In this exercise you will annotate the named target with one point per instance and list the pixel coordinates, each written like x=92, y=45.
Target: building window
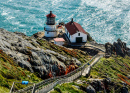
x=47, y=32
x=78, y=34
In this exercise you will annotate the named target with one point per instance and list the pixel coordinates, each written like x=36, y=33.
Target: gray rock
x=41, y=69
x=20, y=34
x=124, y=90
x=76, y=86
x=118, y=47
x=90, y=89
x=18, y=46
x=38, y=35
x=109, y=49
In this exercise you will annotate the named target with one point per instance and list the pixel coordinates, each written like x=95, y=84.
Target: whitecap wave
x=105, y=20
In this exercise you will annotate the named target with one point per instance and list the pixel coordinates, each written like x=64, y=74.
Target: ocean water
x=105, y=20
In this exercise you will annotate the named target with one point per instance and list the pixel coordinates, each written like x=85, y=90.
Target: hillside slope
x=114, y=75
x=20, y=52
x=38, y=55
x=10, y=72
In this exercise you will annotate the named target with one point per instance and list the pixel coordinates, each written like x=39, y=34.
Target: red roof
x=74, y=27
x=51, y=15
x=59, y=39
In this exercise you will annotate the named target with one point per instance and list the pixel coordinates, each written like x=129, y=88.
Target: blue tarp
x=25, y=82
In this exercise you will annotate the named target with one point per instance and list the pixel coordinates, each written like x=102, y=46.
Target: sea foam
x=105, y=20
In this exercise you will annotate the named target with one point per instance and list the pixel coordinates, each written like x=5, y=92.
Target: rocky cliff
x=117, y=48
x=11, y=72
x=109, y=75
x=37, y=55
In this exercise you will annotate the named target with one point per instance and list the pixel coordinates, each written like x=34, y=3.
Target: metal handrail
x=51, y=80
x=69, y=79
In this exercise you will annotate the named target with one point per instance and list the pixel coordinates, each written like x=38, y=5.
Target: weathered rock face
x=107, y=86
x=118, y=48
x=90, y=89
x=38, y=35
x=25, y=54
x=109, y=49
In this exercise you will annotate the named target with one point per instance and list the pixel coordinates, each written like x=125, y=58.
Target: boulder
x=118, y=49
x=38, y=35
x=109, y=49
x=124, y=90
x=42, y=71
x=90, y=89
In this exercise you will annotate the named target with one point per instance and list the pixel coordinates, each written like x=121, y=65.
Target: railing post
x=33, y=90
x=12, y=87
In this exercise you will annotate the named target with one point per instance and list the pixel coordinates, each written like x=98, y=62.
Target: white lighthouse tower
x=50, y=28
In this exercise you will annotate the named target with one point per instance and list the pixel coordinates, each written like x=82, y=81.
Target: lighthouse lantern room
x=50, y=28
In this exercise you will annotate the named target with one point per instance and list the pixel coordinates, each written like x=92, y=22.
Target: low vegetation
x=80, y=55
x=116, y=68
x=68, y=88
x=11, y=72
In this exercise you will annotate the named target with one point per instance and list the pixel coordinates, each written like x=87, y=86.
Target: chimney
x=72, y=20
x=50, y=12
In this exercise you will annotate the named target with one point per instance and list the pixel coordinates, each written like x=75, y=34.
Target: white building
x=50, y=28
x=59, y=41
x=75, y=33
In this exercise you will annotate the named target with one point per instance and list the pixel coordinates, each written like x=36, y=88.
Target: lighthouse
x=50, y=28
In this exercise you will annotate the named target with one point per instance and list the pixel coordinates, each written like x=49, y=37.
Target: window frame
x=78, y=34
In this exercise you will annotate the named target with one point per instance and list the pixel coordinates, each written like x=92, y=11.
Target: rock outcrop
x=38, y=35
x=117, y=48
x=26, y=53
x=106, y=86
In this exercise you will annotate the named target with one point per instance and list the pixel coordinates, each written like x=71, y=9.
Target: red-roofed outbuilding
x=59, y=41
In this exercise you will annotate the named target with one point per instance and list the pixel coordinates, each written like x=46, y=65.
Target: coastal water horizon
x=106, y=21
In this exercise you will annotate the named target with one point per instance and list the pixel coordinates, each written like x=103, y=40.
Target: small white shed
x=59, y=41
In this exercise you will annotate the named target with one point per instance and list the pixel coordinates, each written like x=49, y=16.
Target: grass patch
x=67, y=88
x=11, y=72
x=80, y=55
x=111, y=67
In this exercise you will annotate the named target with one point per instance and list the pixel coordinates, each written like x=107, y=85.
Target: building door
x=78, y=39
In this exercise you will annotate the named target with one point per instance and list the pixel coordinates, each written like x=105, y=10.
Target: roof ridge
x=76, y=26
